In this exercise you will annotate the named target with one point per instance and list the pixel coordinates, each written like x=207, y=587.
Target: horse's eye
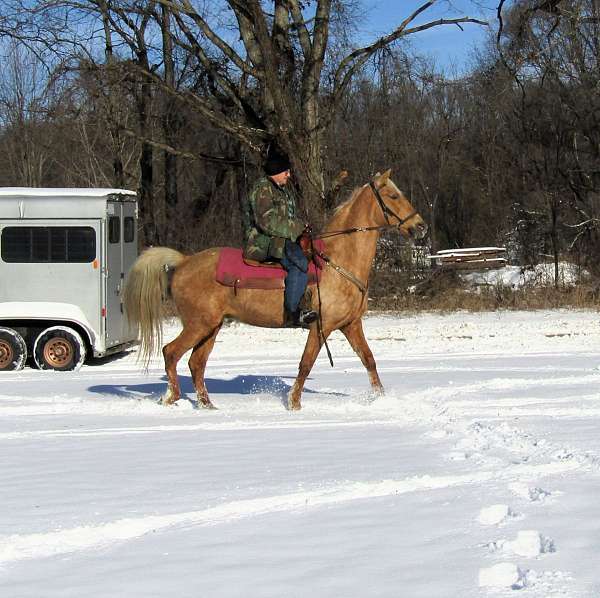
x=394, y=196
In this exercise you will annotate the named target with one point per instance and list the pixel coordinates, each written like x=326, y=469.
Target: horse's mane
x=354, y=193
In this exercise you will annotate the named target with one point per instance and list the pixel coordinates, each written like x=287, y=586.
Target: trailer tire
x=13, y=350
x=59, y=348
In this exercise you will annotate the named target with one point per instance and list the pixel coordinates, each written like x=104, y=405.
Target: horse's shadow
x=243, y=385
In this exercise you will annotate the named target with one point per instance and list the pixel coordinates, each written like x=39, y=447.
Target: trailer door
x=130, y=252
x=114, y=273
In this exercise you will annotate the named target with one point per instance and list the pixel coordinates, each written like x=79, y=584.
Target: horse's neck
x=354, y=251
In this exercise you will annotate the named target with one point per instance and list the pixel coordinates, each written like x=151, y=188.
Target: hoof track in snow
x=532, y=494
x=502, y=575
x=495, y=514
x=528, y=543
x=510, y=576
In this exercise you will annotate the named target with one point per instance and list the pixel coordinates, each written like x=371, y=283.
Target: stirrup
x=301, y=318
x=306, y=317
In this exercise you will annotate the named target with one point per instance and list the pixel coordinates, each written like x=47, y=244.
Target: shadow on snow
x=240, y=385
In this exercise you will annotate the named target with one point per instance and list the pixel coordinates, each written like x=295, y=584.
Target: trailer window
x=58, y=244
x=129, y=229
x=114, y=229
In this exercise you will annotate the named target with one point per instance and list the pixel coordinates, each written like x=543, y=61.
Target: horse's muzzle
x=415, y=231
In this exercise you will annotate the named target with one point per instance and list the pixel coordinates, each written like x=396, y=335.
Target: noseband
x=387, y=211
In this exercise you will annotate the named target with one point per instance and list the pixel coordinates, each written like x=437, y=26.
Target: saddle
x=234, y=271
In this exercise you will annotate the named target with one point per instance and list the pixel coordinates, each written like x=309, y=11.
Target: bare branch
x=186, y=8
x=181, y=153
x=356, y=59
x=300, y=25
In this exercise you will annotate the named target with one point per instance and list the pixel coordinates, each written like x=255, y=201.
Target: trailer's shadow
x=99, y=361
x=240, y=385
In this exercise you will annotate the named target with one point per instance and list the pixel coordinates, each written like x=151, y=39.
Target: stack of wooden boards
x=470, y=258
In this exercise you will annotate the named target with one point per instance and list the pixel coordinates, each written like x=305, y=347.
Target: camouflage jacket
x=270, y=220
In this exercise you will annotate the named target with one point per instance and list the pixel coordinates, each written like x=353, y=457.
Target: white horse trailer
x=64, y=254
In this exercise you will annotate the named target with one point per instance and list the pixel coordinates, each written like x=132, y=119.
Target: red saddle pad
x=232, y=271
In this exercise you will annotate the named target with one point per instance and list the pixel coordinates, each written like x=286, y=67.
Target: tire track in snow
x=504, y=384
x=204, y=427
x=18, y=547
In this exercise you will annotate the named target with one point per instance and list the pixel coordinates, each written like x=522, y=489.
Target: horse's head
x=396, y=210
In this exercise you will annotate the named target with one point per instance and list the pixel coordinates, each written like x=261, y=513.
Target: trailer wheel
x=59, y=348
x=13, y=350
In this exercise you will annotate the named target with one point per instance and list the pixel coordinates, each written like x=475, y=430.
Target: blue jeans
x=294, y=262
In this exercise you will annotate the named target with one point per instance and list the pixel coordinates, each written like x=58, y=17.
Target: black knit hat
x=276, y=162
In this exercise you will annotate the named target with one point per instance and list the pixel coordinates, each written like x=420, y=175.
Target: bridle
x=387, y=212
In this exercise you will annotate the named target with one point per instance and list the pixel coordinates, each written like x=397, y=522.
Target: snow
x=517, y=277
x=477, y=474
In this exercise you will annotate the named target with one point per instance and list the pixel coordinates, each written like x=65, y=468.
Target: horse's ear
x=382, y=179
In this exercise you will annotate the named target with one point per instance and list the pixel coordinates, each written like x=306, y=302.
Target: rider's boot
x=301, y=318
x=304, y=316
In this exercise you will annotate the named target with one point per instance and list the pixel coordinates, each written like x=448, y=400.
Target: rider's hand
x=305, y=242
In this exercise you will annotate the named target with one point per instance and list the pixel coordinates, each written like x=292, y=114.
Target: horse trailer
x=64, y=254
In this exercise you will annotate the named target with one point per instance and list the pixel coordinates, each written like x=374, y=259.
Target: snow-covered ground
x=516, y=277
x=477, y=474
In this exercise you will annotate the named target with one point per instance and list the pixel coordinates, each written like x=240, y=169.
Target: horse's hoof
x=168, y=401
x=208, y=405
x=294, y=406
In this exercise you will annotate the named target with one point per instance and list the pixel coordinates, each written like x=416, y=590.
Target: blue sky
x=447, y=45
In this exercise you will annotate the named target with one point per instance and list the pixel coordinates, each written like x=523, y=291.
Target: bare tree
x=259, y=71
x=24, y=104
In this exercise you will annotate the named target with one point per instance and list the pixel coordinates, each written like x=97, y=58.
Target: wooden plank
x=482, y=250
x=475, y=265
x=468, y=258
x=466, y=255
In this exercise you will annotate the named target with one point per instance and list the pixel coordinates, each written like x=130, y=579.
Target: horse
x=202, y=303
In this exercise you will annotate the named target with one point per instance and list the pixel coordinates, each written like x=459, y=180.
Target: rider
x=275, y=233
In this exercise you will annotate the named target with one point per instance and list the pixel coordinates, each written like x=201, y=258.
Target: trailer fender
x=47, y=310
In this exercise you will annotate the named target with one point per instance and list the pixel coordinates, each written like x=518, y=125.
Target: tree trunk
x=170, y=129
x=307, y=164
x=146, y=188
x=554, y=237
x=113, y=120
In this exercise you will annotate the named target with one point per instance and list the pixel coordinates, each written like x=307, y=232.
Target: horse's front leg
x=355, y=335
x=311, y=350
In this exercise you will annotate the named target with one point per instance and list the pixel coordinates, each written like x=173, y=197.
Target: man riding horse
x=274, y=233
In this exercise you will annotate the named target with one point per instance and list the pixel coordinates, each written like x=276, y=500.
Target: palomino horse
x=202, y=303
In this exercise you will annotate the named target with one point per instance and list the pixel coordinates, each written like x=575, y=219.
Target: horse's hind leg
x=172, y=353
x=355, y=335
x=197, y=365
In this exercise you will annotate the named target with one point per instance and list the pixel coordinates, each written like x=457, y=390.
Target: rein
x=387, y=212
x=341, y=270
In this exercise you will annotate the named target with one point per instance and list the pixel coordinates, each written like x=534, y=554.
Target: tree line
x=180, y=104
